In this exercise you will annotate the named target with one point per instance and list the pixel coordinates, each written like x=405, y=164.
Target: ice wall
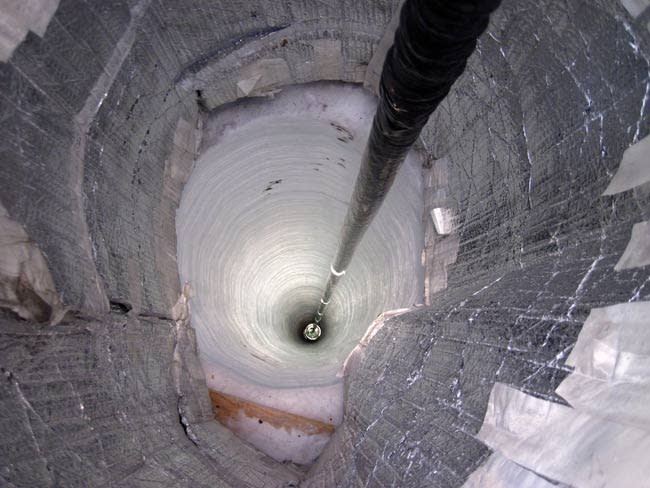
x=100, y=123
x=526, y=145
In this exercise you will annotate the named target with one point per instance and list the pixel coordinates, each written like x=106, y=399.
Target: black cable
x=432, y=43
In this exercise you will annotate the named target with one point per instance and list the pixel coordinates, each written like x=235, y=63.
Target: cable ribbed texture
x=432, y=44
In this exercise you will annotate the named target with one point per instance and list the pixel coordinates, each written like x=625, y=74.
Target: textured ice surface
x=533, y=134
x=258, y=227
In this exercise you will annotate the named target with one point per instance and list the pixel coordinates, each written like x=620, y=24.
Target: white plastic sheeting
x=634, y=169
x=637, y=252
x=17, y=17
x=603, y=439
x=26, y=284
x=499, y=472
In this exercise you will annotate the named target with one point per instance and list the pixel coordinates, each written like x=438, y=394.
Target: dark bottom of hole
x=304, y=323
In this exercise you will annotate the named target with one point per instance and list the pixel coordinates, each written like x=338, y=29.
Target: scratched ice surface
x=101, y=121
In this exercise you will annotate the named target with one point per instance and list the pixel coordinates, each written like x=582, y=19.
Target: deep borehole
x=101, y=123
x=258, y=225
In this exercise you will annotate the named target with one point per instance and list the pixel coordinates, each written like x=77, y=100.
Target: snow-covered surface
x=282, y=444
x=324, y=403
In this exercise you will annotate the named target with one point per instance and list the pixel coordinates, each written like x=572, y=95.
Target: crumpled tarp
x=634, y=169
x=26, y=285
x=603, y=438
